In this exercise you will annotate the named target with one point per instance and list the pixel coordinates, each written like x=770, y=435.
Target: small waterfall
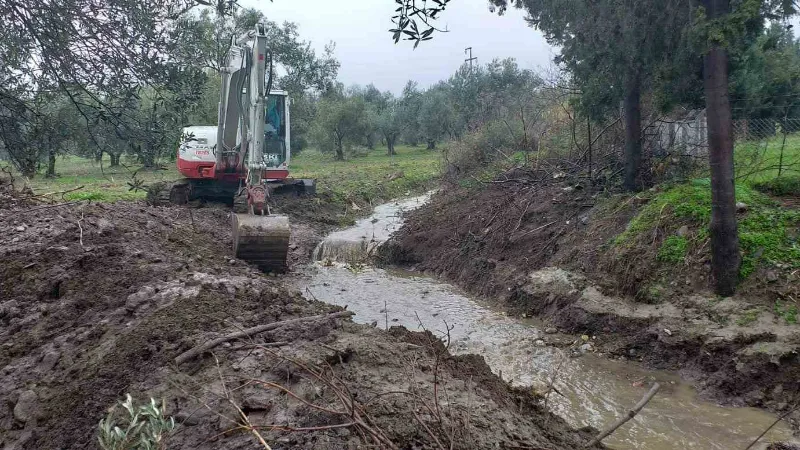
x=357, y=243
x=345, y=250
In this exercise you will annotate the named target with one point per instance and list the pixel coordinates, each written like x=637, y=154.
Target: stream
x=596, y=390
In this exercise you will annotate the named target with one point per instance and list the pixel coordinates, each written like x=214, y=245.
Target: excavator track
x=167, y=193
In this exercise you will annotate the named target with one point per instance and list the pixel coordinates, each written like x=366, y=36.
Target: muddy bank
x=97, y=300
x=543, y=248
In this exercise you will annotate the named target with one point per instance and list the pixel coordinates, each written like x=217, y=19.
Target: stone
x=49, y=360
x=585, y=348
x=232, y=262
x=741, y=207
x=772, y=276
x=683, y=231
x=585, y=220
x=27, y=407
x=550, y=330
x=540, y=343
x=20, y=228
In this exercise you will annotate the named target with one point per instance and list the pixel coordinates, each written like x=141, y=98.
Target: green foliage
x=786, y=311
x=340, y=123
x=141, y=427
x=765, y=234
x=673, y=250
x=765, y=231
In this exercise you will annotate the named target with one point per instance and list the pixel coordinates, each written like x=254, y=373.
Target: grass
x=786, y=311
x=749, y=316
x=767, y=231
x=370, y=178
x=783, y=186
x=758, y=161
x=673, y=250
x=360, y=179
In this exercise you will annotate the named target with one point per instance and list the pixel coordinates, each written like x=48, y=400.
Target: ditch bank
x=98, y=300
x=550, y=248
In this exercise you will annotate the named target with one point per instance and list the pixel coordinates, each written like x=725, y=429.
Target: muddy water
x=595, y=390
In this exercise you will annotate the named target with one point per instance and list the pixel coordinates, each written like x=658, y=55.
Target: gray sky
x=368, y=55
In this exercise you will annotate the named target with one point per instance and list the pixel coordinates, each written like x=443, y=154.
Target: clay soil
x=543, y=247
x=96, y=301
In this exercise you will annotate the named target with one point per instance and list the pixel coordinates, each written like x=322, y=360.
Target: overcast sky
x=368, y=55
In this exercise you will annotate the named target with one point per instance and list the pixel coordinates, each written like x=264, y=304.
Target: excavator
x=244, y=160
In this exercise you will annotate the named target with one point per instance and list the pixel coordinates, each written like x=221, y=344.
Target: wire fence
x=764, y=147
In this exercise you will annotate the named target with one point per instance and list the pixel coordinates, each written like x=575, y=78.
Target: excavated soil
x=96, y=301
x=542, y=247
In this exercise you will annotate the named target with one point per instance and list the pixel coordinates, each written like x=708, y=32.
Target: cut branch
x=200, y=349
x=631, y=414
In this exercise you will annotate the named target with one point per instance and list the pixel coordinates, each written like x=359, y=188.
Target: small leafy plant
x=142, y=427
x=787, y=311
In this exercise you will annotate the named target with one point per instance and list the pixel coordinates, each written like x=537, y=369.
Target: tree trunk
x=370, y=141
x=390, y=145
x=98, y=156
x=114, y=159
x=633, y=132
x=725, y=257
x=339, y=149
x=51, y=164
x=431, y=144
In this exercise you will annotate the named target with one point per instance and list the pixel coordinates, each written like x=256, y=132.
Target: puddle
x=596, y=391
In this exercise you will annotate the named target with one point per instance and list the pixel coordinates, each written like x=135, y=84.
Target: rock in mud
x=49, y=360
x=27, y=407
x=683, y=231
x=550, y=330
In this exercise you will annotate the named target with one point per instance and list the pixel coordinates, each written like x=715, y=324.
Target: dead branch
x=195, y=351
x=631, y=414
x=51, y=206
x=80, y=228
x=49, y=194
x=781, y=417
x=535, y=230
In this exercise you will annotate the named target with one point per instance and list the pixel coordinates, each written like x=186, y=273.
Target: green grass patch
x=363, y=179
x=673, y=250
x=786, y=311
x=748, y=317
x=370, y=178
x=782, y=186
x=767, y=232
x=758, y=161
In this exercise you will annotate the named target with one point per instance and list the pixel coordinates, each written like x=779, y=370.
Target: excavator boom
x=242, y=135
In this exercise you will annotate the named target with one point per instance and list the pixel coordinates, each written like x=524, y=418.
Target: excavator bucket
x=262, y=240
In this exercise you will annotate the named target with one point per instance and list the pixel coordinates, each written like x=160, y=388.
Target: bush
x=480, y=152
x=142, y=427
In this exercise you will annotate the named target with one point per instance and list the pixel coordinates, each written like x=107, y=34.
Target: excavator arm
x=258, y=236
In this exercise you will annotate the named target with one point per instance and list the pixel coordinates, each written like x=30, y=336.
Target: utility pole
x=468, y=50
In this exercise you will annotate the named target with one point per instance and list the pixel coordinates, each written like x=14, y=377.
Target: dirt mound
x=97, y=300
x=545, y=247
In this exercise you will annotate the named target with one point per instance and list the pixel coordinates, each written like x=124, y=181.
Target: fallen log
x=200, y=349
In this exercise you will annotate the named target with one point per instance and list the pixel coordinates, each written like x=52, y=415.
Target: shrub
x=142, y=427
